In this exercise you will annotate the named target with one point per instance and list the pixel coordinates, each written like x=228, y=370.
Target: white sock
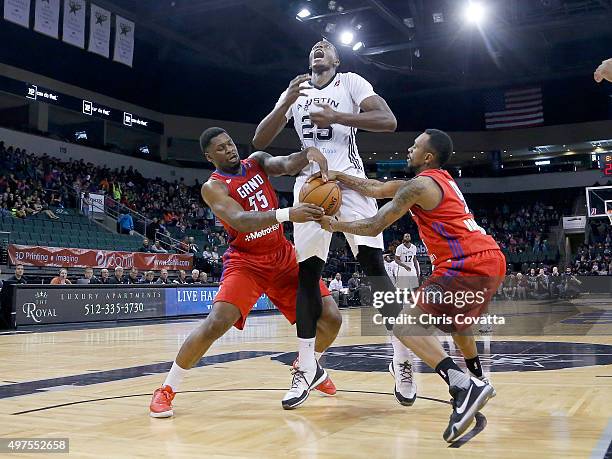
x=175, y=377
x=400, y=352
x=307, y=354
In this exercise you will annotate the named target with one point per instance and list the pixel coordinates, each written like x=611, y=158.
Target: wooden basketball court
x=93, y=386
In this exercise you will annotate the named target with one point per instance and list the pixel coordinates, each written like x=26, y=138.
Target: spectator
x=104, y=277
x=182, y=278
x=521, y=287
x=62, y=279
x=195, y=277
x=163, y=277
x=126, y=223
x=203, y=277
x=206, y=254
x=118, y=277
x=133, y=276
x=193, y=247
x=336, y=283
x=509, y=286
x=571, y=284
x=86, y=205
x=18, y=278
x=88, y=277
x=335, y=286
x=146, y=246
x=353, y=285
x=157, y=247
x=555, y=281
x=148, y=278
x=542, y=287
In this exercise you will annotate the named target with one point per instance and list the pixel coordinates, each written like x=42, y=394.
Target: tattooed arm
x=367, y=187
x=411, y=192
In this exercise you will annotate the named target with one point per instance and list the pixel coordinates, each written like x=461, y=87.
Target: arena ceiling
x=425, y=44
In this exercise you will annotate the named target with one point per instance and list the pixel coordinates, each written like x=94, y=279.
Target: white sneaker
x=405, y=388
x=485, y=380
x=301, y=384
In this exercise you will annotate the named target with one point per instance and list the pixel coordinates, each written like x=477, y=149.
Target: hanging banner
x=99, y=31
x=62, y=257
x=17, y=11
x=124, y=41
x=74, y=23
x=46, y=17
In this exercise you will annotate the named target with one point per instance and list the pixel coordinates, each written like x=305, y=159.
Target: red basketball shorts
x=246, y=277
x=462, y=288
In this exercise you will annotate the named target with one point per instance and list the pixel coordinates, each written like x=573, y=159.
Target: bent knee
x=330, y=313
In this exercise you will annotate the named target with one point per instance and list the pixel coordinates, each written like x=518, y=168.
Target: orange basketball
x=326, y=195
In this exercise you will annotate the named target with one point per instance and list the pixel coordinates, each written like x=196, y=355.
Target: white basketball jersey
x=344, y=93
x=392, y=269
x=408, y=256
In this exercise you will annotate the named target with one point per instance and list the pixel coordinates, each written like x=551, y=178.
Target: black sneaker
x=405, y=389
x=301, y=384
x=466, y=403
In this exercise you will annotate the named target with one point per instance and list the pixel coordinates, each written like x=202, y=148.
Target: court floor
x=93, y=386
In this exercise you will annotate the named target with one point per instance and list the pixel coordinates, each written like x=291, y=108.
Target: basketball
x=326, y=195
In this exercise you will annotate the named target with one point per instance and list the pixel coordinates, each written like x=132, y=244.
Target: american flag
x=513, y=108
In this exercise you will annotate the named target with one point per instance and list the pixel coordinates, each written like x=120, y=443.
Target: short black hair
x=208, y=135
x=441, y=144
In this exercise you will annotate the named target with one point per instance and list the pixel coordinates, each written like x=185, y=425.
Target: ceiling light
x=357, y=46
x=304, y=13
x=346, y=37
x=474, y=12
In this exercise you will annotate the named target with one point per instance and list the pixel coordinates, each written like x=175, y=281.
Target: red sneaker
x=327, y=387
x=161, y=404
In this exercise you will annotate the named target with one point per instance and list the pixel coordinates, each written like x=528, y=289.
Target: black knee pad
x=309, y=304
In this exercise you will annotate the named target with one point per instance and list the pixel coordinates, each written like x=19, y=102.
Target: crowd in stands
x=595, y=257
x=116, y=277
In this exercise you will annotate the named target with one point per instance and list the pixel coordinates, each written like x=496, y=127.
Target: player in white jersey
x=391, y=267
x=327, y=108
x=409, y=269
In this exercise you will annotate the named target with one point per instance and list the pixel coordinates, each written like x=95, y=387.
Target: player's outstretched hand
x=326, y=223
x=325, y=117
x=604, y=71
x=305, y=212
x=332, y=176
x=314, y=154
x=296, y=89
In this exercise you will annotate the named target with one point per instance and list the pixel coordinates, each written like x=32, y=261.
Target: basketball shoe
x=405, y=388
x=327, y=387
x=466, y=403
x=161, y=404
x=485, y=380
x=302, y=383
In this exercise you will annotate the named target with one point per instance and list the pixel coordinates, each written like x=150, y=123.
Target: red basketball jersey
x=449, y=231
x=254, y=192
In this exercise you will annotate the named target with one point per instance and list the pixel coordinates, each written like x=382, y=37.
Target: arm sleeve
x=289, y=113
x=359, y=88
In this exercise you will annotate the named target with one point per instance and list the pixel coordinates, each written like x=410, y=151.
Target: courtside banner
x=81, y=258
x=191, y=300
x=42, y=305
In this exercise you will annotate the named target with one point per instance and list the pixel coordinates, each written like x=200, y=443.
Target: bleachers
x=71, y=230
